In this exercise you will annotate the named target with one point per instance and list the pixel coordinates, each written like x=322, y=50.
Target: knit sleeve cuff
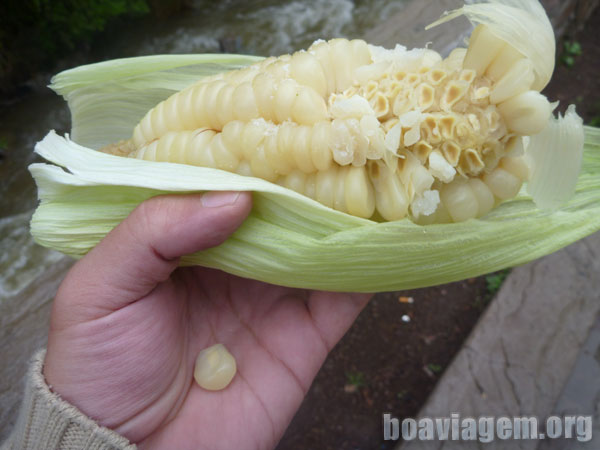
x=48, y=422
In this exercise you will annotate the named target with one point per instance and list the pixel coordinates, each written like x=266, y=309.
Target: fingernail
x=216, y=199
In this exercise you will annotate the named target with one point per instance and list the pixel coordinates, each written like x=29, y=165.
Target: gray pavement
x=581, y=395
x=534, y=352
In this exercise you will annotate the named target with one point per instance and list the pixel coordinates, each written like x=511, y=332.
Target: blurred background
x=391, y=360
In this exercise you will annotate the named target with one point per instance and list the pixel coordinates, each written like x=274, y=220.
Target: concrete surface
x=522, y=352
x=407, y=27
x=581, y=395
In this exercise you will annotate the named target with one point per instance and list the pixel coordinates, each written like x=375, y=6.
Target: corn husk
x=288, y=239
x=521, y=23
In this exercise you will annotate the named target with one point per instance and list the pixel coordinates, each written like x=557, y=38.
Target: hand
x=127, y=325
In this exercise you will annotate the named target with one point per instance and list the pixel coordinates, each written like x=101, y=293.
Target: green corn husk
x=288, y=239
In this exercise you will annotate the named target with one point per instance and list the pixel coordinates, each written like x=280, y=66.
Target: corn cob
x=364, y=130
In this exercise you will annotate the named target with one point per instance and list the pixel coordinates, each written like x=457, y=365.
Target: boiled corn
x=364, y=130
x=215, y=368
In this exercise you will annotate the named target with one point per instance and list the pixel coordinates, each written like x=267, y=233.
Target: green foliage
x=68, y=22
x=34, y=33
x=571, y=49
x=494, y=281
x=594, y=116
x=356, y=379
x=435, y=368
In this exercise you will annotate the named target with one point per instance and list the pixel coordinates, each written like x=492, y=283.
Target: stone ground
x=534, y=352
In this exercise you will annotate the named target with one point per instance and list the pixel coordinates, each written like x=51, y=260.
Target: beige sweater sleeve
x=47, y=422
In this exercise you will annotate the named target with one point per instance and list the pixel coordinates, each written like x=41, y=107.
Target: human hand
x=127, y=325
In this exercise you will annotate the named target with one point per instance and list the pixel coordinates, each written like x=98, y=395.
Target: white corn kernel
x=460, y=201
x=215, y=368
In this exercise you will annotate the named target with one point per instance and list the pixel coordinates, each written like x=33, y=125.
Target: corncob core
x=364, y=130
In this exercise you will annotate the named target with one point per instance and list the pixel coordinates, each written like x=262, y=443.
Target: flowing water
x=29, y=273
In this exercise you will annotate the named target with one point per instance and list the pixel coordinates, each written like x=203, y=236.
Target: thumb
x=144, y=249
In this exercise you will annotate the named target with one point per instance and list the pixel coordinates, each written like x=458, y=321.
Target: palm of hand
x=132, y=368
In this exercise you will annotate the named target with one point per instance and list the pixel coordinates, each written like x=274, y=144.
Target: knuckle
x=151, y=216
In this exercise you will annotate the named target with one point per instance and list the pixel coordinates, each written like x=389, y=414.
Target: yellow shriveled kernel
x=422, y=149
x=430, y=130
x=425, y=96
x=451, y=151
x=470, y=162
x=436, y=76
x=455, y=90
x=380, y=105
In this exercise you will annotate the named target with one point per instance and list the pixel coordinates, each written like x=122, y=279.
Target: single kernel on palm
x=367, y=131
x=215, y=368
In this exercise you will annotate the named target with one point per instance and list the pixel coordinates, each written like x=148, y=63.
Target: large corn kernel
x=215, y=368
